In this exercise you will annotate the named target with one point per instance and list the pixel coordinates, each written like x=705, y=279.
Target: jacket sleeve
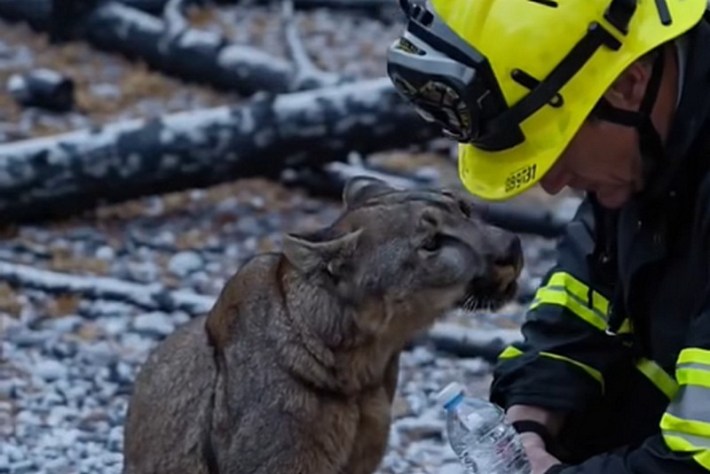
x=565, y=351
x=683, y=444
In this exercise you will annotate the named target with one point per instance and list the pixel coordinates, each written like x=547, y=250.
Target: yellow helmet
x=513, y=80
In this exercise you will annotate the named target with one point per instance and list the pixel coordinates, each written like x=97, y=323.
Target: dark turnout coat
x=618, y=335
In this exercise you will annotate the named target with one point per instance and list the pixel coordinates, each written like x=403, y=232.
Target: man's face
x=603, y=158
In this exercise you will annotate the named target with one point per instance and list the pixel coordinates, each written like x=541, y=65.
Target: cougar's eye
x=433, y=243
x=465, y=208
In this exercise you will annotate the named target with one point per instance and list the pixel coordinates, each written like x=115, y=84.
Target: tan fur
x=295, y=367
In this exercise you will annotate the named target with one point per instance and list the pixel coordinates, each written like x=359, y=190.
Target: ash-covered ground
x=68, y=358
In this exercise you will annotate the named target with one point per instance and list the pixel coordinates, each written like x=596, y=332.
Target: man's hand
x=540, y=460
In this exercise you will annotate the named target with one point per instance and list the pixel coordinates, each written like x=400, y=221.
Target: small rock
x=114, y=326
x=400, y=408
x=105, y=91
x=154, y=324
x=23, y=467
x=115, y=439
x=14, y=453
x=65, y=324
x=143, y=271
x=420, y=428
x=184, y=263
x=105, y=253
x=50, y=370
x=257, y=202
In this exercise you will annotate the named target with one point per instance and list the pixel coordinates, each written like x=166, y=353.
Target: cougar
x=295, y=367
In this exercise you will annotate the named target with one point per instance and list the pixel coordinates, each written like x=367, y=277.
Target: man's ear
x=361, y=188
x=629, y=88
x=308, y=255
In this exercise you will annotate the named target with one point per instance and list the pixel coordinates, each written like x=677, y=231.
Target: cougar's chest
x=372, y=432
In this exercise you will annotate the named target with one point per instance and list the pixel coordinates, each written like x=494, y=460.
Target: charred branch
x=150, y=297
x=448, y=338
x=59, y=176
x=455, y=340
x=168, y=45
x=307, y=75
x=328, y=181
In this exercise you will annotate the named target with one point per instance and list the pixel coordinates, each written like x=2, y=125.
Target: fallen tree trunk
x=367, y=6
x=328, y=181
x=151, y=297
x=187, y=53
x=448, y=338
x=59, y=176
x=456, y=340
x=542, y=222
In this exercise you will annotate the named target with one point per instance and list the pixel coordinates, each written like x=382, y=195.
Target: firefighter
x=612, y=98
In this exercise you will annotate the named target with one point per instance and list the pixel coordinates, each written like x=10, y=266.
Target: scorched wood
x=58, y=176
x=189, y=54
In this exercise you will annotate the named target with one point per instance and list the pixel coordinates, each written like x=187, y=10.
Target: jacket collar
x=692, y=112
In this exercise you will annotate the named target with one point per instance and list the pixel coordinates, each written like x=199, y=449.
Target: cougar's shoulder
x=251, y=291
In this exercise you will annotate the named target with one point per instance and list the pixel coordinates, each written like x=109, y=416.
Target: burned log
x=43, y=88
x=149, y=297
x=328, y=181
x=538, y=221
x=448, y=338
x=187, y=53
x=455, y=340
x=59, y=176
x=307, y=75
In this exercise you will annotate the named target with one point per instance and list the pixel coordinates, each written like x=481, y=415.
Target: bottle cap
x=449, y=393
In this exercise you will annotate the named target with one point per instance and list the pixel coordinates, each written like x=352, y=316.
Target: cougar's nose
x=510, y=251
x=508, y=260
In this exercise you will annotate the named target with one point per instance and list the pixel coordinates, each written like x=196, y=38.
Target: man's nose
x=554, y=180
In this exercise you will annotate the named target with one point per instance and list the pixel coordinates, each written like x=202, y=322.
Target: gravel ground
x=68, y=359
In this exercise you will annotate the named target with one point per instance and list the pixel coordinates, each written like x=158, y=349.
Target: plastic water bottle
x=483, y=440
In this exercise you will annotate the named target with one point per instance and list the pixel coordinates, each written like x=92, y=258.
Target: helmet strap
x=650, y=142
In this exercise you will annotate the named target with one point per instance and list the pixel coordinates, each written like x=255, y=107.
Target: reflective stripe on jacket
x=636, y=391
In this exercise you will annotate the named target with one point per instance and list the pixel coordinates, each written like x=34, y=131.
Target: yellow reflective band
x=659, y=377
x=688, y=376
x=510, y=352
x=674, y=423
x=694, y=355
x=578, y=289
x=596, y=375
x=681, y=445
x=688, y=437
x=625, y=327
x=567, y=300
x=563, y=289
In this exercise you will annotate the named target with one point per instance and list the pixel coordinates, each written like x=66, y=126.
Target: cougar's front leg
x=372, y=435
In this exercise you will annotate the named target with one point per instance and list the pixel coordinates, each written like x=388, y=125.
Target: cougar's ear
x=310, y=255
x=360, y=188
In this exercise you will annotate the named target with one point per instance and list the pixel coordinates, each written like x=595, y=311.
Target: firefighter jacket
x=618, y=334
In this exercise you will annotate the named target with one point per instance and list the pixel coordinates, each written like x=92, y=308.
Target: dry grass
x=10, y=303
x=63, y=260
x=275, y=196
x=63, y=305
